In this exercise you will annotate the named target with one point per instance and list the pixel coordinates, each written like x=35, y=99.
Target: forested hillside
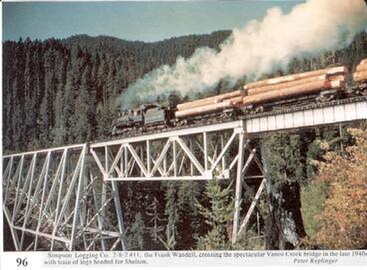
x=58, y=92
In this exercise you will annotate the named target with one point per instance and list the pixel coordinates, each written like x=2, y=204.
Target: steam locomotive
x=143, y=118
x=265, y=95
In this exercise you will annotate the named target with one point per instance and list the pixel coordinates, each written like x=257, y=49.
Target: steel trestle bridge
x=60, y=198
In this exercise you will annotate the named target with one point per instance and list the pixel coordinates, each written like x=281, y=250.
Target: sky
x=147, y=21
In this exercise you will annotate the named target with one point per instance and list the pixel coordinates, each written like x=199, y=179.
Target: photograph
x=188, y=133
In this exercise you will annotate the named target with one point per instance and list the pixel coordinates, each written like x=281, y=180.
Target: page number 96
x=22, y=262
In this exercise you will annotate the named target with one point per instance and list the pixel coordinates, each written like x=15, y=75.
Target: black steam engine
x=143, y=118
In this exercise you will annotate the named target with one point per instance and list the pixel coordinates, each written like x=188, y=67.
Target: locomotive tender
x=265, y=95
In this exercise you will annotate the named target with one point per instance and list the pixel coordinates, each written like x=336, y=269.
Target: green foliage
x=170, y=241
x=313, y=198
x=218, y=215
x=213, y=240
x=314, y=154
x=183, y=218
x=171, y=209
x=285, y=155
x=84, y=120
x=136, y=233
x=155, y=220
x=250, y=241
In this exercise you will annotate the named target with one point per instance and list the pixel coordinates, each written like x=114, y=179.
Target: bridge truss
x=63, y=198
x=53, y=201
x=213, y=151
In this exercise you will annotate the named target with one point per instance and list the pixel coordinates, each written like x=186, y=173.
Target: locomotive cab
x=127, y=119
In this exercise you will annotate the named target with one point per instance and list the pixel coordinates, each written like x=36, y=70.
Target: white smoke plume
x=310, y=28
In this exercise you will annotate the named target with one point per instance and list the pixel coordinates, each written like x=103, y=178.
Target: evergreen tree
x=170, y=242
x=106, y=105
x=136, y=233
x=68, y=110
x=30, y=109
x=218, y=215
x=171, y=211
x=286, y=156
x=190, y=221
x=59, y=131
x=17, y=88
x=155, y=220
x=84, y=117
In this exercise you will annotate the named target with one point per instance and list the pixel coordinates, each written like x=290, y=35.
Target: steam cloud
x=258, y=48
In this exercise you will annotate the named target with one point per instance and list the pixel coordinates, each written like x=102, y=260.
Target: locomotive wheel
x=182, y=123
x=324, y=98
x=259, y=109
x=226, y=115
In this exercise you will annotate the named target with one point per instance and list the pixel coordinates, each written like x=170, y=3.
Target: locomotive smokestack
x=260, y=47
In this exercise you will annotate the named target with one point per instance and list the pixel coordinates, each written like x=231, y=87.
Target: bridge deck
x=322, y=114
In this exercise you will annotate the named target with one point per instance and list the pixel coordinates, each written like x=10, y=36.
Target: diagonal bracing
x=53, y=200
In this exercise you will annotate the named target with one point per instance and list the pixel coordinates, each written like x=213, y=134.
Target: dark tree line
x=58, y=92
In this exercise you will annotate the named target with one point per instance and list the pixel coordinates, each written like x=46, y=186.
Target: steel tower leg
x=119, y=216
x=239, y=180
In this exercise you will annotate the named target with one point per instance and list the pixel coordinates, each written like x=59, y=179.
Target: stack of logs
x=295, y=85
x=361, y=71
x=269, y=90
x=210, y=104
